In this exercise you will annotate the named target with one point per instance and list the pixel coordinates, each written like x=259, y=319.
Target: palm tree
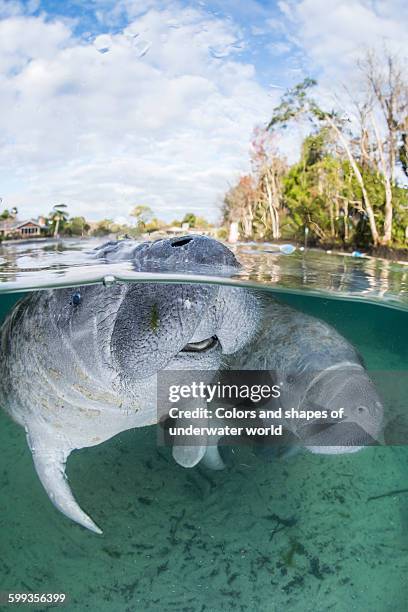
x=8, y=214
x=57, y=215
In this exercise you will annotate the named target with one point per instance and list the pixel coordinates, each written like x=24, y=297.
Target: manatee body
x=317, y=369
x=80, y=365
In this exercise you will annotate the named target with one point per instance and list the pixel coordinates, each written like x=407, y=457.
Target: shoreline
x=397, y=255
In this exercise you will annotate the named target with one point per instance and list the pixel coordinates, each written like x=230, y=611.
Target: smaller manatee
x=318, y=370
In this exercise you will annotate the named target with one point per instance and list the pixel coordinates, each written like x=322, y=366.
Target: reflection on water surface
x=31, y=265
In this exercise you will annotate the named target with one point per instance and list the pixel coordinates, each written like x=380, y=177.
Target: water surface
x=35, y=264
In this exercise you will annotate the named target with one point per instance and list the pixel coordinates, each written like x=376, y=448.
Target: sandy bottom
x=296, y=534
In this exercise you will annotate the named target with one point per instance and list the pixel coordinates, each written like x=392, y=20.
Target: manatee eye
x=199, y=347
x=76, y=299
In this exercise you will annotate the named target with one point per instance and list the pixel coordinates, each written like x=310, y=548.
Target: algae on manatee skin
x=154, y=318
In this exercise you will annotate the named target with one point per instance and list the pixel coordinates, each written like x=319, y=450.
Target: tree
x=202, y=223
x=269, y=169
x=142, y=214
x=175, y=223
x=77, y=226
x=388, y=86
x=240, y=203
x=403, y=150
x=103, y=227
x=312, y=189
x=58, y=217
x=298, y=103
x=189, y=218
x=154, y=225
x=344, y=187
x=9, y=214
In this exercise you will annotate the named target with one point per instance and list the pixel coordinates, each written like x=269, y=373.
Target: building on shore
x=29, y=228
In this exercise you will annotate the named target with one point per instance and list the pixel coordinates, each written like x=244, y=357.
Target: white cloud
x=334, y=34
x=147, y=114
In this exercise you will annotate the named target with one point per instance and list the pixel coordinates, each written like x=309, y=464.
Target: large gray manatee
x=79, y=365
x=91, y=355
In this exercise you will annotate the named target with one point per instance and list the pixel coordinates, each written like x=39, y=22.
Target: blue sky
x=263, y=25
x=105, y=105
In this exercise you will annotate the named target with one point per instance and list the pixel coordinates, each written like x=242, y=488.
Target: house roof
x=13, y=224
x=29, y=221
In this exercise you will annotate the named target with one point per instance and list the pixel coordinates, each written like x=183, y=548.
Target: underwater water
x=303, y=533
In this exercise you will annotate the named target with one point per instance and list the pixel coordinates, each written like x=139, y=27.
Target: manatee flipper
x=212, y=458
x=188, y=455
x=49, y=462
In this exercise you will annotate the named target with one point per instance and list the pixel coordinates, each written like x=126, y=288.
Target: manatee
x=79, y=365
x=317, y=369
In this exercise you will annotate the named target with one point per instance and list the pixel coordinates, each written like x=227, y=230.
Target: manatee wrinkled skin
x=80, y=365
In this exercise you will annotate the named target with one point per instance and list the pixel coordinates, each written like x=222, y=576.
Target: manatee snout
x=188, y=253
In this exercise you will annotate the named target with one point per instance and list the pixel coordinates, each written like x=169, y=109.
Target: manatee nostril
x=178, y=242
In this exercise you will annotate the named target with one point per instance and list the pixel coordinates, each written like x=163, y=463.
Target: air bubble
x=109, y=280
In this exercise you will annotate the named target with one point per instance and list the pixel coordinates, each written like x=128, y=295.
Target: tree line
x=59, y=222
x=146, y=222
x=348, y=186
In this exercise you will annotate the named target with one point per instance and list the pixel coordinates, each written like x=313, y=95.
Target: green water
x=295, y=534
